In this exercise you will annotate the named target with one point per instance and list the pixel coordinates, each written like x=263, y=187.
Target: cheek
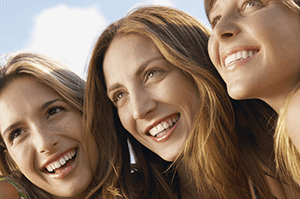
x=22, y=158
x=126, y=122
x=213, y=50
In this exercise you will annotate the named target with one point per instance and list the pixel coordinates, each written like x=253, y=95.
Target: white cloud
x=68, y=34
x=163, y=2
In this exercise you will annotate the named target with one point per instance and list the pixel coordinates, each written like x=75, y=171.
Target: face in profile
x=44, y=137
x=156, y=101
x=255, y=46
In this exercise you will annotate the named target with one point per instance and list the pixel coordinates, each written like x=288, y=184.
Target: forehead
x=126, y=53
x=25, y=92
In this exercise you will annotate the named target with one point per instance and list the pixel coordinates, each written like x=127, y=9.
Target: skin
x=270, y=28
x=7, y=190
x=146, y=89
x=36, y=125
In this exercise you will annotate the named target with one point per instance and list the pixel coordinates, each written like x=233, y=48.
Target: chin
x=238, y=94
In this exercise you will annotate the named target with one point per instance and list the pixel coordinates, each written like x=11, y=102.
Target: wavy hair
x=286, y=153
x=51, y=73
x=287, y=157
x=227, y=144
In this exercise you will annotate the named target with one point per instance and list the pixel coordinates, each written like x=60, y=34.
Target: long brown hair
x=227, y=145
x=51, y=73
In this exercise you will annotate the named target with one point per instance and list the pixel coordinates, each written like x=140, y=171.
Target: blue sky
x=67, y=30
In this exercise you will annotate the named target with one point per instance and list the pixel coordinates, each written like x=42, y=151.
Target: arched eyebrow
x=42, y=107
x=45, y=105
x=12, y=126
x=138, y=72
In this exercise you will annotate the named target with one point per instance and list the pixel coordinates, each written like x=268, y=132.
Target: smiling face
x=44, y=136
x=156, y=101
x=255, y=46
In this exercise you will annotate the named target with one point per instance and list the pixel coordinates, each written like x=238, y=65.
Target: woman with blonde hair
x=154, y=66
x=269, y=68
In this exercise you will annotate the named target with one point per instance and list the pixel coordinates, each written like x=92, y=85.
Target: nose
x=227, y=27
x=45, y=140
x=142, y=103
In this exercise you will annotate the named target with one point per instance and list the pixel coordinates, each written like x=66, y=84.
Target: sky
x=67, y=30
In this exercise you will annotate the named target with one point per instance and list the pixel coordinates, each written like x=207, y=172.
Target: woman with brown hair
x=154, y=66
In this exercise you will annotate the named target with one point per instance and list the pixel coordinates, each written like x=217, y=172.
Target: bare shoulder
x=7, y=190
x=293, y=118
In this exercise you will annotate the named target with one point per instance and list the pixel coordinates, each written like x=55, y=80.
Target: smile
x=160, y=129
x=65, y=160
x=238, y=56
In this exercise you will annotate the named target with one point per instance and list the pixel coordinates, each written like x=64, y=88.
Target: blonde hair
x=51, y=73
x=221, y=160
x=286, y=153
x=287, y=157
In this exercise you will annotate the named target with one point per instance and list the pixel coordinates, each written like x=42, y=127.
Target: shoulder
x=293, y=118
x=7, y=190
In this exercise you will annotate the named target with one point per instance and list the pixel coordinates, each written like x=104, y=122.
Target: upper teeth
x=162, y=126
x=239, y=56
x=62, y=161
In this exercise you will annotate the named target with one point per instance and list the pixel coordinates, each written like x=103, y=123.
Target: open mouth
x=62, y=163
x=238, y=56
x=161, y=129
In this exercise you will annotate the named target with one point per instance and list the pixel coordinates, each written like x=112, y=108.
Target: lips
x=161, y=128
x=238, y=55
x=60, y=162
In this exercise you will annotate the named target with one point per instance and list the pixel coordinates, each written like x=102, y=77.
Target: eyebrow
x=14, y=125
x=137, y=73
x=45, y=105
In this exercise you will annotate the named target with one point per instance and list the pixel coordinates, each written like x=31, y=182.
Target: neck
x=277, y=101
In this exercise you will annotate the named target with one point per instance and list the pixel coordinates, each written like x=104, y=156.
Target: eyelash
x=215, y=20
x=246, y=3
x=116, y=96
x=59, y=108
x=148, y=75
x=17, y=132
x=12, y=134
x=153, y=71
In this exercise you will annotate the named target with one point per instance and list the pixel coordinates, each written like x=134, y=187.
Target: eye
x=14, y=134
x=152, y=73
x=118, y=96
x=54, y=110
x=251, y=3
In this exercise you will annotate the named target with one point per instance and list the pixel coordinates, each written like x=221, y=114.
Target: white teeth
x=244, y=54
x=62, y=161
x=49, y=168
x=158, y=130
x=239, y=56
x=160, y=127
x=57, y=164
x=250, y=53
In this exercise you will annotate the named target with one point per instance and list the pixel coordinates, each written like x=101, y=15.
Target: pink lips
x=62, y=163
x=238, y=49
x=161, y=129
